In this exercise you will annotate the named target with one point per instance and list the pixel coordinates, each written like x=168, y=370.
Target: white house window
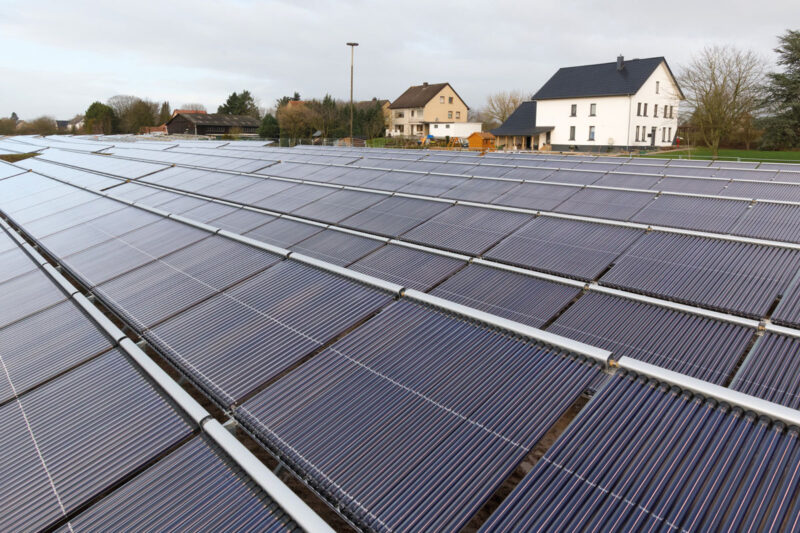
x=637, y=134
x=669, y=134
x=573, y=110
x=592, y=110
x=670, y=112
x=657, y=84
x=591, y=133
x=449, y=114
x=572, y=133
x=655, y=110
x=412, y=112
x=663, y=134
x=645, y=110
x=639, y=109
x=400, y=114
x=441, y=99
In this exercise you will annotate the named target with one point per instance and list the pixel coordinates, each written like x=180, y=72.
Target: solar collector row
x=702, y=214
x=259, y=294
x=770, y=370
x=413, y=374
x=639, y=349
x=686, y=212
x=473, y=230
x=465, y=250
x=70, y=426
x=691, y=353
x=642, y=457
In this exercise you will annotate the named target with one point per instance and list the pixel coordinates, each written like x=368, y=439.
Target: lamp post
x=352, y=54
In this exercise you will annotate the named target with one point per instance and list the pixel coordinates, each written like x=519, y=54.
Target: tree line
x=290, y=117
x=732, y=101
x=294, y=118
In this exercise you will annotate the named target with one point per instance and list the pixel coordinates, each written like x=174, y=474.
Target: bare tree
x=296, y=121
x=44, y=125
x=8, y=126
x=499, y=106
x=193, y=107
x=723, y=86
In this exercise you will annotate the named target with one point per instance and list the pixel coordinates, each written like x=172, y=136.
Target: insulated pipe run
x=731, y=397
x=596, y=354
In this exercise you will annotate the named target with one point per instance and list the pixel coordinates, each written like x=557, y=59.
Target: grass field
x=748, y=155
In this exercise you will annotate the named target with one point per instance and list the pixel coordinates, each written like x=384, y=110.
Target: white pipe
x=283, y=252
x=300, y=512
x=36, y=256
x=282, y=495
x=598, y=354
x=771, y=410
x=436, y=251
x=530, y=273
x=366, y=279
x=747, y=322
x=358, y=233
x=100, y=319
x=781, y=330
x=194, y=223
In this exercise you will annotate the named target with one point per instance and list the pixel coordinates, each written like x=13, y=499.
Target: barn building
x=211, y=124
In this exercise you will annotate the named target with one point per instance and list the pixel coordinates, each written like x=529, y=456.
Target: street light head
x=352, y=44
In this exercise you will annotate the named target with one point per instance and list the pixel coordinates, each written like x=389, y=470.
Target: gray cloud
x=60, y=56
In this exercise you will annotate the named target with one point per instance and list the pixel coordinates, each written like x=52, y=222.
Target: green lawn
x=746, y=155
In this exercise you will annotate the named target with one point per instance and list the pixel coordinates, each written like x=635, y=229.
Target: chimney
x=620, y=62
x=424, y=83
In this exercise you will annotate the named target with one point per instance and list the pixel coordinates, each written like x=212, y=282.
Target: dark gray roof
x=420, y=95
x=600, y=80
x=218, y=119
x=521, y=122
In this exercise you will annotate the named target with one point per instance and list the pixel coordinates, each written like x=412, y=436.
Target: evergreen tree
x=240, y=104
x=164, y=113
x=99, y=118
x=782, y=127
x=269, y=128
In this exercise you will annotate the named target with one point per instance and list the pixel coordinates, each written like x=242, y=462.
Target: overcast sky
x=56, y=57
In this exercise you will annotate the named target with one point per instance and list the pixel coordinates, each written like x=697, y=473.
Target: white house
x=622, y=105
x=453, y=129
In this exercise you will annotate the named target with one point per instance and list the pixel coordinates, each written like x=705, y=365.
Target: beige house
x=420, y=106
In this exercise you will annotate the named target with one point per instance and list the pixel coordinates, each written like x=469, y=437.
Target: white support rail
x=731, y=397
x=592, y=352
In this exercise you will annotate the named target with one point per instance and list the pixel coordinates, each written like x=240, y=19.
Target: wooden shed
x=481, y=140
